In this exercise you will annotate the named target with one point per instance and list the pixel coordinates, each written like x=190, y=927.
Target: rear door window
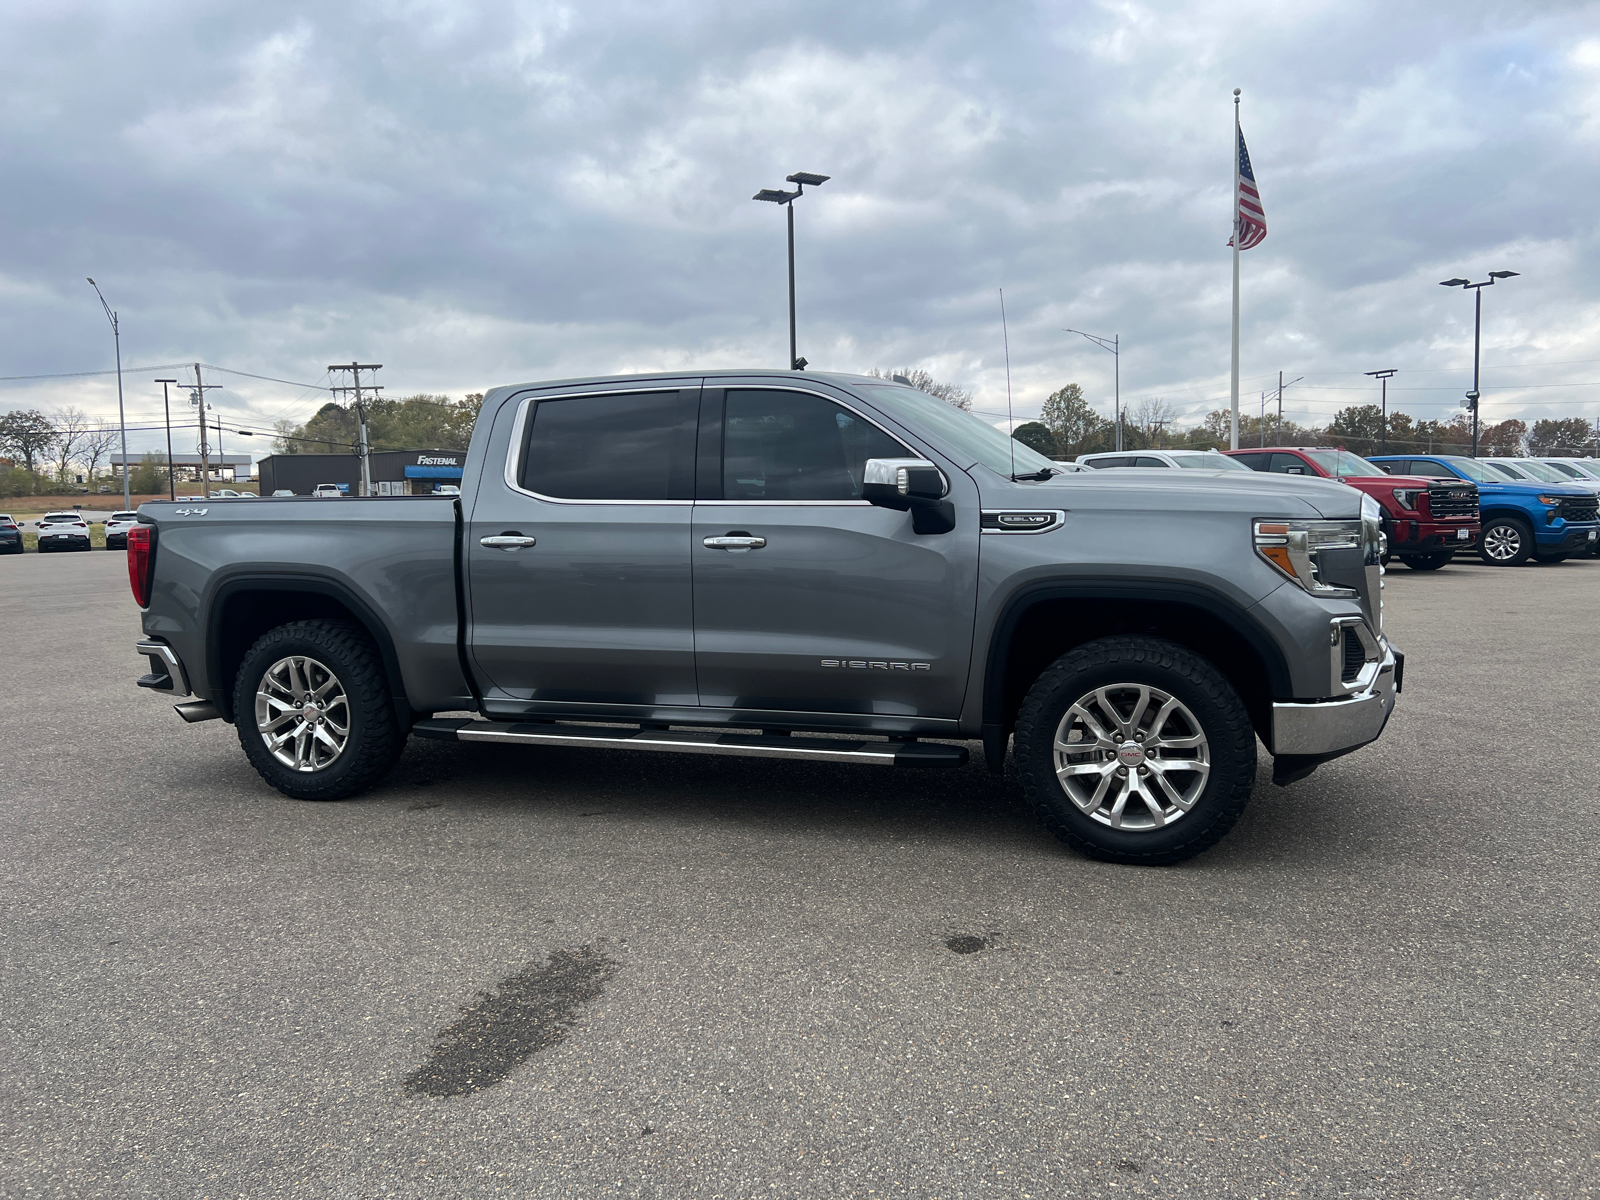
x=1100, y=464
x=796, y=446
x=1256, y=462
x=626, y=446
x=1290, y=464
x=1142, y=461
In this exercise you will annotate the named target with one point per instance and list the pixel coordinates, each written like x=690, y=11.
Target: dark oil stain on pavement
x=965, y=943
x=529, y=1012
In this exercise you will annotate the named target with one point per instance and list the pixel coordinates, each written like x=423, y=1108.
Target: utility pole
x=205, y=450
x=363, y=447
x=1281, y=386
x=166, y=407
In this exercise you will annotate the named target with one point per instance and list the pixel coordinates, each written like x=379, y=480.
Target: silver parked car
x=1200, y=460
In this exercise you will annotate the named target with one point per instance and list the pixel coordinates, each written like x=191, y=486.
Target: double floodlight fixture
x=1489, y=282
x=800, y=179
x=1472, y=397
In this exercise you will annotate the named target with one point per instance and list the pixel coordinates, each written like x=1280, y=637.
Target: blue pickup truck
x=1546, y=521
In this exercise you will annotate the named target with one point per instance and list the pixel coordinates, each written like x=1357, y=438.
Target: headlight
x=1294, y=547
x=1407, y=497
x=1556, y=500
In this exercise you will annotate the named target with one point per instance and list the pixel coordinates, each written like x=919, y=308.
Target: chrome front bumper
x=1330, y=726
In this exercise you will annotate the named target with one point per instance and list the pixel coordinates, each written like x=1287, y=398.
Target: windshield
x=1539, y=471
x=1342, y=462
x=966, y=433
x=1508, y=471
x=1473, y=470
x=1209, y=461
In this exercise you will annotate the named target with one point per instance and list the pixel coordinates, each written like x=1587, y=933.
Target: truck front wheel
x=1507, y=542
x=313, y=710
x=1135, y=750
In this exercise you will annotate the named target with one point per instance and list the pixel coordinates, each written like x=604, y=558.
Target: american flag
x=1252, y=220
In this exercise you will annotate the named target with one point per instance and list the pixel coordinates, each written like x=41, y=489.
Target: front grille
x=1453, y=501
x=1579, y=508
x=1355, y=657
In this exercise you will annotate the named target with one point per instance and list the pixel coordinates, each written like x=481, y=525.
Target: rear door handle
x=507, y=541
x=735, y=543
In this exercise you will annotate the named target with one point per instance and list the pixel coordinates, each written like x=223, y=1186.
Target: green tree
x=1570, y=437
x=27, y=434
x=1036, y=436
x=420, y=422
x=1077, y=428
x=1504, y=440
x=149, y=475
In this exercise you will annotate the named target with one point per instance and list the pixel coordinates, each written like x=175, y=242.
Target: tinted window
x=1100, y=464
x=632, y=446
x=1256, y=462
x=1397, y=467
x=1289, y=464
x=793, y=446
x=1210, y=461
x=1142, y=461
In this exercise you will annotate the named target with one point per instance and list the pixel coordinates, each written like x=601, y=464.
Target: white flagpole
x=1233, y=426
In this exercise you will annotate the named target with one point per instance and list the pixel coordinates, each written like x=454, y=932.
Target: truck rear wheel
x=1506, y=542
x=313, y=710
x=1136, y=750
x=1427, y=562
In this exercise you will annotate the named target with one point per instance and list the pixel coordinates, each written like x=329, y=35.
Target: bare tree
x=97, y=445
x=1154, y=415
x=72, y=425
x=958, y=397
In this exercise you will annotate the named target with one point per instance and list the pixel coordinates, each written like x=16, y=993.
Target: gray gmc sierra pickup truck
x=806, y=566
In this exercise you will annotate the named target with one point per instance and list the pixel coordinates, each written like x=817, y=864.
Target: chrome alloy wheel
x=1502, y=542
x=302, y=713
x=1132, y=757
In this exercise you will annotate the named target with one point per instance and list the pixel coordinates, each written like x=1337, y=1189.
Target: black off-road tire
x=1427, y=562
x=375, y=738
x=1183, y=674
x=1505, y=527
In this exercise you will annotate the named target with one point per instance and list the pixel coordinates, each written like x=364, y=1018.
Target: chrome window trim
x=1060, y=515
x=520, y=422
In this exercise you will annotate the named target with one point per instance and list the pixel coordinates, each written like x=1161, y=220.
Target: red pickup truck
x=1427, y=520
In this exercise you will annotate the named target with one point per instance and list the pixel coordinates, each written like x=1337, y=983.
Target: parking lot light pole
x=1477, y=329
x=122, y=419
x=1114, y=345
x=787, y=199
x=1383, y=429
x=166, y=407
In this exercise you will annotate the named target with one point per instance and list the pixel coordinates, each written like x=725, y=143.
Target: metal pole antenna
x=166, y=407
x=793, y=354
x=1233, y=427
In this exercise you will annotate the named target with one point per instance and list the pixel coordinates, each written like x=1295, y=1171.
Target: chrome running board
x=685, y=741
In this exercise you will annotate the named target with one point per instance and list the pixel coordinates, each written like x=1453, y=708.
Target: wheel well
x=1049, y=628
x=243, y=614
x=1513, y=514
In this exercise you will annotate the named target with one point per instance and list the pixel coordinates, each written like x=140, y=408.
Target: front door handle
x=509, y=540
x=735, y=542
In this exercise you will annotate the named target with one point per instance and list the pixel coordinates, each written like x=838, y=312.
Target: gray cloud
x=475, y=195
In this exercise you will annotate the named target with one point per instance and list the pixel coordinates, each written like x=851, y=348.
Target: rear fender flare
x=312, y=585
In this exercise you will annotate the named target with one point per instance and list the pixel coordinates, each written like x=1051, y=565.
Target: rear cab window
x=622, y=446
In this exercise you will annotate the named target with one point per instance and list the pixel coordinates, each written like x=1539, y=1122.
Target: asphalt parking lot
x=728, y=978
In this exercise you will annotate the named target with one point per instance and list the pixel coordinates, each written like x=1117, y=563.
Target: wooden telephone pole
x=363, y=447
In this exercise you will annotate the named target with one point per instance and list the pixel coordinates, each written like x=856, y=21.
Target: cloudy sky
x=484, y=194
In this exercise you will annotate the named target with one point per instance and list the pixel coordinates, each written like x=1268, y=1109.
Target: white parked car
x=1524, y=470
x=63, y=531
x=224, y=494
x=1200, y=460
x=326, y=490
x=283, y=492
x=1579, y=470
x=117, y=526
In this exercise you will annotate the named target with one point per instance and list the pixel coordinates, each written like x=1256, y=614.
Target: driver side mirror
x=912, y=485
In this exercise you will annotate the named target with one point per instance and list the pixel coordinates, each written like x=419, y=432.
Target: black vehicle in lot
x=63, y=531
x=10, y=535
